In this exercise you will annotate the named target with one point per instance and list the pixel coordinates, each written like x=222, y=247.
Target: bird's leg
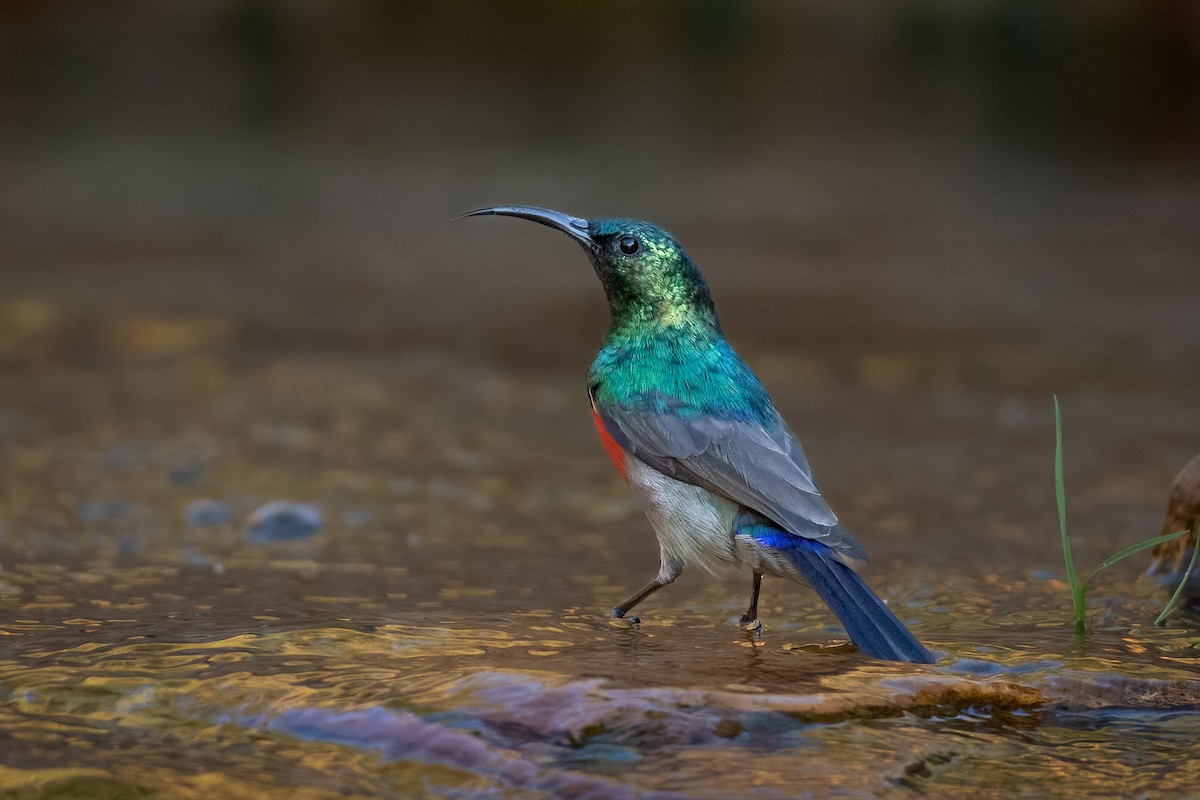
x=670, y=569
x=647, y=590
x=749, y=620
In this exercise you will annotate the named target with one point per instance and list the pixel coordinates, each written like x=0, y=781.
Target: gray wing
x=761, y=468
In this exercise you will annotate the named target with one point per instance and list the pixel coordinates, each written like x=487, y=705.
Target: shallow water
x=441, y=633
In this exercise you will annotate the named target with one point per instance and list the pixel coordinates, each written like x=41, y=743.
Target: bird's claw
x=750, y=624
x=619, y=614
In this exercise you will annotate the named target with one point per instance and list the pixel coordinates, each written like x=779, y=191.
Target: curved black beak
x=575, y=227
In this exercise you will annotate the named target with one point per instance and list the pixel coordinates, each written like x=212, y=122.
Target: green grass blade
x=1162, y=618
x=1133, y=549
x=1078, y=591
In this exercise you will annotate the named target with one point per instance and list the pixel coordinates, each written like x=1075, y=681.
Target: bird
x=693, y=432
x=1183, y=514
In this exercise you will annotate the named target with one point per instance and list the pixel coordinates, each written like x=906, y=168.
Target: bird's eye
x=628, y=245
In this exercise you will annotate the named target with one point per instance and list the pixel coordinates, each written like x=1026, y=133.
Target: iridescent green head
x=648, y=277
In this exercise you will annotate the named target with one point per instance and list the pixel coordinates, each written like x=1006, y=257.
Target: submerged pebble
x=207, y=513
x=283, y=521
x=399, y=735
x=189, y=474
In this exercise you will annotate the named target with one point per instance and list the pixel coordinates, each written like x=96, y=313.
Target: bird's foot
x=619, y=614
x=750, y=624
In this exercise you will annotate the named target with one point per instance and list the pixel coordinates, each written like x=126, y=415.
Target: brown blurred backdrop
x=287, y=172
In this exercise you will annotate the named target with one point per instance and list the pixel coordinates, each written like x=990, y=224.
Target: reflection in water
x=431, y=698
x=273, y=671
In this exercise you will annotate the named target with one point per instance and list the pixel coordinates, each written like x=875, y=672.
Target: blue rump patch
x=772, y=537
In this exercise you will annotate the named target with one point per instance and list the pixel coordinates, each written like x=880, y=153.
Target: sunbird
x=696, y=437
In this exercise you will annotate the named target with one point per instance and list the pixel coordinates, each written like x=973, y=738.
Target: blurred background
x=289, y=171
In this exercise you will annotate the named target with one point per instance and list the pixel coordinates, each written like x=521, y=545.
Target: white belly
x=692, y=524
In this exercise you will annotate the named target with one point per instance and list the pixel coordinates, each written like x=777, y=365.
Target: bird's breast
x=691, y=523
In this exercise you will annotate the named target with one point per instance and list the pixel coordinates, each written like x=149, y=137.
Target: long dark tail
x=870, y=624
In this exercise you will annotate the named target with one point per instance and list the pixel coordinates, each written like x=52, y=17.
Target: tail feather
x=869, y=623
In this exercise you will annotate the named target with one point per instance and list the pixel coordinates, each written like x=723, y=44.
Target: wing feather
x=760, y=466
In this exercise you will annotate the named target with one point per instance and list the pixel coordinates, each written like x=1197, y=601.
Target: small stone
x=207, y=513
x=188, y=474
x=283, y=521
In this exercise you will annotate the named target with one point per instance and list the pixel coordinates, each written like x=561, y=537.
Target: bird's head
x=648, y=277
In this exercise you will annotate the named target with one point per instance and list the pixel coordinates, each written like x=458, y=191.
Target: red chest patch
x=615, y=453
